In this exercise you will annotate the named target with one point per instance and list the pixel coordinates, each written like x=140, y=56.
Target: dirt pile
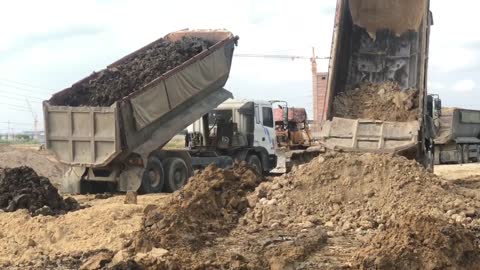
x=70, y=240
x=208, y=207
x=112, y=84
x=419, y=242
x=348, y=211
x=357, y=197
x=372, y=101
x=42, y=161
x=22, y=188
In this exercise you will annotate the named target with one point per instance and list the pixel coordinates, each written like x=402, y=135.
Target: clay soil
x=371, y=101
x=112, y=84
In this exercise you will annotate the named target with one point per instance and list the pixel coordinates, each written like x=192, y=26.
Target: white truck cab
x=235, y=130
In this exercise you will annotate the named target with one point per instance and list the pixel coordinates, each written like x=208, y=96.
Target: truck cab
x=236, y=130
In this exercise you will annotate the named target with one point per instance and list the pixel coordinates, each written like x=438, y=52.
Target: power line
x=25, y=84
x=17, y=98
x=30, y=92
x=17, y=123
x=292, y=57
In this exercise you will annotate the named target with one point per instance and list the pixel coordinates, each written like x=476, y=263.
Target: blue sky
x=45, y=46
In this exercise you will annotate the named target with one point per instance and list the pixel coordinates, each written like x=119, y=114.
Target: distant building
x=319, y=85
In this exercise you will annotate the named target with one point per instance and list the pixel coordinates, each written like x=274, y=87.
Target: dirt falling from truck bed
x=112, y=84
x=22, y=188
x=373, y=101
x=348, y=211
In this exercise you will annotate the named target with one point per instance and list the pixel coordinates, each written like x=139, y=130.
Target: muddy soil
x=112, y=84
x=371, y=101
x=23, y=188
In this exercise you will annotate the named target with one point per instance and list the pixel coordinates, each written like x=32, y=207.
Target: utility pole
x=35, y=120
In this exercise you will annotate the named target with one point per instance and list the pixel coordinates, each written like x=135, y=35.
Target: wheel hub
x=154, y=177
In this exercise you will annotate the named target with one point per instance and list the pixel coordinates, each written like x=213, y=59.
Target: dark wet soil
x=107, y=86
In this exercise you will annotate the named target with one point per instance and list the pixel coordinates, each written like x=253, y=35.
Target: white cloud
x=464, y=86
x=435, y=86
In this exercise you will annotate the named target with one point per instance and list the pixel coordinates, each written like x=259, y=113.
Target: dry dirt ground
x=455, y=172
x=31, y=242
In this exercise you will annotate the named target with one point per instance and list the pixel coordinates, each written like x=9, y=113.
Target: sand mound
x=22, y=188
x=372, y=100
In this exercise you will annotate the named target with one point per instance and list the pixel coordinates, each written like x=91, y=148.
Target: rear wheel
x=255, y=162
x=153, y=179
x=177, y=174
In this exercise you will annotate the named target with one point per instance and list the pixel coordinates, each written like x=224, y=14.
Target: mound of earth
x=372, y=100
x=43, y=162
x=208, y=207
x=22, y=188
x=136, y=71
x=71, y=240
x=360, y=197
x=340, y=211
x=419, y=242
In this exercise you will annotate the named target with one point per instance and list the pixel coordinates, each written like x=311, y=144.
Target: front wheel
x=255, y=162
x=177, y=174
x=153, y=179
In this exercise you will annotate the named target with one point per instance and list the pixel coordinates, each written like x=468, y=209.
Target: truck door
x=264, y=128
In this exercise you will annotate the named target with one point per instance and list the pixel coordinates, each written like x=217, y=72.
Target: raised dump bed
x=93, y=136
x=146, y=119
x=376, y=95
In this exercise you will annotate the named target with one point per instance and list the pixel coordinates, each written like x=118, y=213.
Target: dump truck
x=122, y=144
x=244, y=130
x=458, y=138
x=378, y=41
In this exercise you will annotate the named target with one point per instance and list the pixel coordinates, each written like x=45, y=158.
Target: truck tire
x=177, y=174
x=255, y=162
x=153, y=179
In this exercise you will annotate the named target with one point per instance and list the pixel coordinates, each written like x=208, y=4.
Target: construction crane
x=278, y=56
x=35, y=120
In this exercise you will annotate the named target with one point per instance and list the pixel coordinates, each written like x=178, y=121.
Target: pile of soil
x=67, y=241
x=208, y=207
x=22, y=188
x=419, y=242
x=112, y=84
x=348, y=211
x=378, y=101
x=42, y=161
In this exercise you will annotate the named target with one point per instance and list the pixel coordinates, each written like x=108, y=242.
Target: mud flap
x=71, y=180
x=130, y=179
